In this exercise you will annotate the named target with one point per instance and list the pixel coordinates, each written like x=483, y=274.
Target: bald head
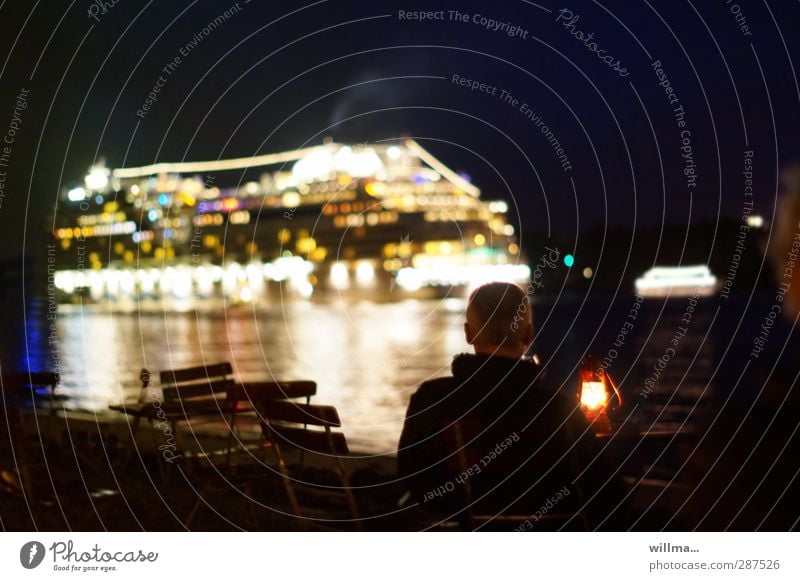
x=499, y=320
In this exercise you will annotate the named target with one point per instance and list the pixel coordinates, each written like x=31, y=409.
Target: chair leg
x=49, y=428
x=193, y=512
x=351, y=500
x=287, y=483
x=467, y=517
x=229, y=447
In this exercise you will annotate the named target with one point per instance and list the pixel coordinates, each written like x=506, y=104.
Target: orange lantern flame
x=597, y=389
x=593, y=395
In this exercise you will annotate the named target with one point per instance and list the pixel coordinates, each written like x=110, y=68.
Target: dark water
x=367, y=358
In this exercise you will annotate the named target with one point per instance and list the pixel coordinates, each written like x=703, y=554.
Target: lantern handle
x=614, y=387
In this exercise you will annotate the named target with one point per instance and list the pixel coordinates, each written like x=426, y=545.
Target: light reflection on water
x=367, y=358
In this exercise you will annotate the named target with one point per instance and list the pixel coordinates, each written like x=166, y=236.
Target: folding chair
x=463, y=441
x=17, y=388
x=287, y=424
x=36, y=385
x=244, y=398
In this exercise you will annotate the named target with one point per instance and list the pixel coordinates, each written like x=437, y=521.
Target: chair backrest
x=30, y=385
x=308, y=428
x=478, y=453
x=288, y=423
x=24, y=386
x=254, y=392
x=33, y=380
x=460, y=441
x=200, y=382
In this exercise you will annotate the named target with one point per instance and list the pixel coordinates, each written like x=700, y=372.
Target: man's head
x=499, y=320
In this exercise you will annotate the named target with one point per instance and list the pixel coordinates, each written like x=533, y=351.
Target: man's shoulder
x=433, y=391
x=435, y=388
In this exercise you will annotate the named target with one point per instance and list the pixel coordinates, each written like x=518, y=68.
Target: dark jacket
x=524, y=445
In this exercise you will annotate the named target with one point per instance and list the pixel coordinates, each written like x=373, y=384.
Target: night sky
x=272, y=76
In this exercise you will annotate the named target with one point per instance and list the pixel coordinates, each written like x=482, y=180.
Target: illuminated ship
x=386, y=219
x=677, y=281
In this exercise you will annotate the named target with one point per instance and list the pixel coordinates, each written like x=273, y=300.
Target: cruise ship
x=388, y=220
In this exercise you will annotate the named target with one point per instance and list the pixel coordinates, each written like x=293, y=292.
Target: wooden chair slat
x=300, y=413
x=265, y=390
x=311, y=440
x=197, y=390
x=198, y=373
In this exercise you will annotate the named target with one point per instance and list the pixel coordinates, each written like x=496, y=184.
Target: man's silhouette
x=491, y=433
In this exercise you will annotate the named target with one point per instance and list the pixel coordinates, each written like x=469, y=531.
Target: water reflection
x=367, y=358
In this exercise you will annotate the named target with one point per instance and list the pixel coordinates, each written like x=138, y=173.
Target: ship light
x=290, y=199
x=314, y=166
x=365, y=273
x=229, y=281
x=293, y=268
x=255, y=278
x=374, y=188
x=305, y=245
x=284, y=236
x=246, y=295
x=76, y=195
x=64, y=281
x=230, y=204
x=127, y=283
x=95, y=286
x=755, y=221
x=146, y=282
x=359, y=164
x=597, y=392
x=498, y=207
x=394, y=152
x=97, y=178
x=339, y=275
x=182, y=284
x=409, y=279
x=239, y=217
x=205, y=281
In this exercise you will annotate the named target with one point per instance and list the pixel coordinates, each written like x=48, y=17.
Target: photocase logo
x=31, y=554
